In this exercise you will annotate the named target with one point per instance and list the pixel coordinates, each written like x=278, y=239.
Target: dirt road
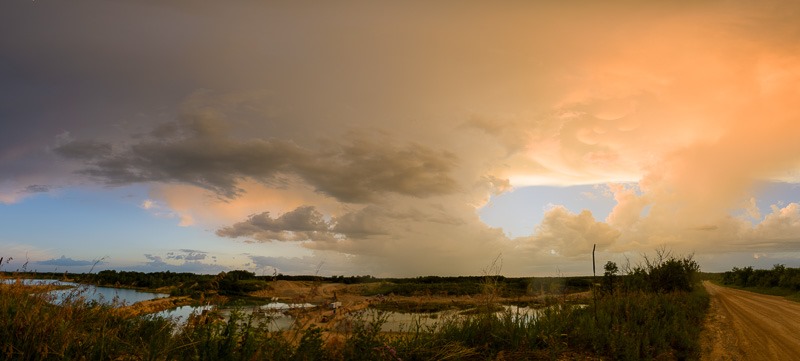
x=749, y=326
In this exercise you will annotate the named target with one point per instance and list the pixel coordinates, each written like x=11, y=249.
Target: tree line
x=779, y=276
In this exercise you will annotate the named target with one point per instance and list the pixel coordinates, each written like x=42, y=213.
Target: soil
x=743, y=325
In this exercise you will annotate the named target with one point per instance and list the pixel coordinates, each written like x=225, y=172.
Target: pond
x=394, y=321
x=104, y=295
x=273, y=312
x=397, y=321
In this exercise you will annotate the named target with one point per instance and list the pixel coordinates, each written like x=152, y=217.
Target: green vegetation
x=653, y=311
x=31, y=328
x=476, y=285
x=233, y=283
x=240, y=283
x=779, y=281
x=635, y=327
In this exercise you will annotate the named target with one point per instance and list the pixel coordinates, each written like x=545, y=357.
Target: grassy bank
x=650, y=313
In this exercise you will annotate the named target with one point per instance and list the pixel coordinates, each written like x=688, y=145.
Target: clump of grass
x=32, y=327
x=642, y=325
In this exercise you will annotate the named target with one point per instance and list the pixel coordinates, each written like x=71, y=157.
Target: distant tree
x=610, y=273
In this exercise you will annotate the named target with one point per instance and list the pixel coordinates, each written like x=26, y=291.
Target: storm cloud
x=372, y=135
x=199, y=151
x=301, y=224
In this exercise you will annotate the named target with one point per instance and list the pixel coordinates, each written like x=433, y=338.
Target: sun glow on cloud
x=371, y=139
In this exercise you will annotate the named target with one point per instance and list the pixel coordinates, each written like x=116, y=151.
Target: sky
x=397, y=138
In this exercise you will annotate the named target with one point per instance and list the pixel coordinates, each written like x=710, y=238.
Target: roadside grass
x=633, y=326
x=643, y=325
x=788, y=294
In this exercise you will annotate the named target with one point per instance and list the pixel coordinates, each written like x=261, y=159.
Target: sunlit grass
x=626, y=323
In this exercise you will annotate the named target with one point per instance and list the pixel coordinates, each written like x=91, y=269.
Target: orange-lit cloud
x=692, y=109
x=204, y=206
x=394, y=123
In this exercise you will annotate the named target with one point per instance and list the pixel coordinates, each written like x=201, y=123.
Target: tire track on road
x=749, y=326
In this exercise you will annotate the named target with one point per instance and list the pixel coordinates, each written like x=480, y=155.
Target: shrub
x=665, y=273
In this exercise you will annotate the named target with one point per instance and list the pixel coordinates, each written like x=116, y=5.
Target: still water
x=273, y=313
x=399, y=322
x=104, y=295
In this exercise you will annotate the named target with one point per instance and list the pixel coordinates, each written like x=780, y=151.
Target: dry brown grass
x=155, y=305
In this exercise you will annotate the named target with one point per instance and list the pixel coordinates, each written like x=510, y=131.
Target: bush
x=665, y=273
x=779, y=276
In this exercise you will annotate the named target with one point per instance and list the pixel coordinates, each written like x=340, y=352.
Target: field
x=653, y=312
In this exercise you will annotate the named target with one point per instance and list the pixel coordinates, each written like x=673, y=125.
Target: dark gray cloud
x=154, y=260
x=363, y=223
x=195, y=256
x=199, y=154
x=376, y=220
x=355, y=172
x=303, y=223
x=302, y=219
x=199, y=150
x=62, y=72
x=368, y=231
x=68, y=262
x=37, y=188
x=84, y=149
x=307, y=223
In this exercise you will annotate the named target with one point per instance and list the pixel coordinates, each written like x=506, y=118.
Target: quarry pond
x=305, y=317
x=104, y=295
x=126, y=296
x=281, y=315
x=278, y=313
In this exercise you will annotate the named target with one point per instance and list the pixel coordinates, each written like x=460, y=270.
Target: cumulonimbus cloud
x=567, y=234
x=693, y=108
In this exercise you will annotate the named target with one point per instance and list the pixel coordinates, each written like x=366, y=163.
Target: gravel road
x=743, y=325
